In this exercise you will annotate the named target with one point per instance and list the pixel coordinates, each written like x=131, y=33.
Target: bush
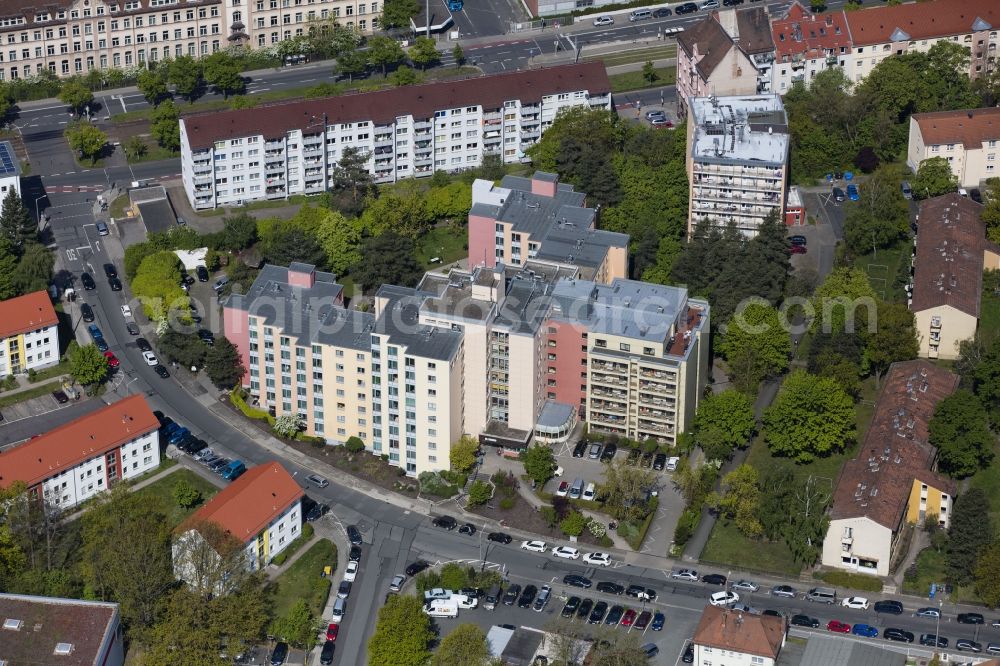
x=432, y=483
x=479, y=493
x=354, y=445
x=238, y=398
x=427, y=580
x=686, y=526
x=850, y=580
x=507, y=503
x=455, y=478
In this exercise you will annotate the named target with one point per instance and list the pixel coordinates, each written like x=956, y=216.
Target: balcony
x=935, y=322
x=422, y=161
x=422, y=125
x=274, y=153
x=605, y=379
x=203, y=180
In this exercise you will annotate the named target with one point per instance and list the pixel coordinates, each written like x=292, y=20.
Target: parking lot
x=24, y=419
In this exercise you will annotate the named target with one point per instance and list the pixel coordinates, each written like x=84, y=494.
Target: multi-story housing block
x=85, y=457
x=540, y=218
x=734, y=638
x=269, y=22
x=967, y=138
x=275, y=151
x=261, y=510
x=806, y=44
x=728, y=53
x=29, y=334
x=53, y=630
x=737, y=160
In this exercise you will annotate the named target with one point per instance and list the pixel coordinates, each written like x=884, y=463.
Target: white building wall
x=282, y=531
x=708, y=655
x=524, y=397
x=850, y=539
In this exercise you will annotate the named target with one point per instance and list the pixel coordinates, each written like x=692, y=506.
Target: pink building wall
x=543, y=188
x=482, y=243
x=569, y=364
x=235, y=326
x=301, y=278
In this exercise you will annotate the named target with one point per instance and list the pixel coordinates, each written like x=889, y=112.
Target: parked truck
x=442, y=608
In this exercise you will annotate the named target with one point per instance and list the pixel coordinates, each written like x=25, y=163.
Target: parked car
x=798, y=249
x=970, y=618
x=534, y=546
x=856, y=603
x=614, y=615
x=659, y=619
x=686, y=8
x=527, y=596
x=580, y=450
x=628, y=619
x=838, y=627
x=279, y=654
x=804, y=621
x=662, y=12
x=112, y=359
x=714, y=579
x=445, y=522
x=642, y=620
x=570, y=607
x=326, y=653
x=602, y=20
x=317, y=480
x=931, y=640
x=585, y=607
x=610, y=588
x=86, y=312
x=838, y=195
x=889, y=606
x=60, y=396
x=798, y=240
x=161, y=371
x=685, y=574
x=599, y=559
x=115, y=284
x=576, y=580
x=416, y=567
x=595, y=451
x=745, y=586
x=562, y=489
x=87, y=281
x=202, y=273
x=865, y=630
x=143, y=344
x=354, y=535
x=723, y=598
x=102, y=228
x=355, y=554
x=542, y=600
x=852, y=192
x=467, y=528
x=609, y=452
x=566, y=553
x=898, y=635
x=396, y=584
x=687, y=656
x=597, y=615
x=511, y=595
x=660, y=461
x=966, y=645
x=206, y=336
x=907, y=190
x=928, y=612
x=110, y=271
x=641, y=592
x=499, y=537
x=150, y=358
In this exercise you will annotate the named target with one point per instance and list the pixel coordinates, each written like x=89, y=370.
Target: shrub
x=597, y=528
x=549, y=515
x=239, y=401
x=573, y=524
x=427, y=580
x=354, y=445
x=479, y=493
x=507, y=503
x=686, y=526
x=433, y=484
x=32, y=374
x=456, y=478
x=287, y=425
x=186, y=495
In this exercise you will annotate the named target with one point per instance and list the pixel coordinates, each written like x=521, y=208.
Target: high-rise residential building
x=79, y=460
x=966, y=138
x=737, y=160
x=29, y=334
x=274, y=151
x=541, y=218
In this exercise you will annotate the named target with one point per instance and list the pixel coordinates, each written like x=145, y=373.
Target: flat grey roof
x=157, y=215
x=825, y=650
x=740, y=129
x=454, y=295
x=626, y=308
x=151, y=193
x=400, y=321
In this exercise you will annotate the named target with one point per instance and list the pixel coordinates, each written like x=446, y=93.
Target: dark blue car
x=864, y=630
x=658, y=620
x=852, y=192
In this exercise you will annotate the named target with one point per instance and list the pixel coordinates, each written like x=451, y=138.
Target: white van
x=441, y=608
x=640, y=15
x=339, y=610
x=588, y=494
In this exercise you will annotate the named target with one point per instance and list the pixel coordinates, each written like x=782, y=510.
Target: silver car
x=786, y=591
x=317, y=480
x=745, y=586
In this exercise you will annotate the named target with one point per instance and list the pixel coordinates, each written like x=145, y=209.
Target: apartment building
x=892, y=481
x=78, y=460
x=967, y=138
x=278, y=150
x=734, y=638
x=737, y=161
x=262, y=509
x=10, y=169
x=29, y=334
x=54, y=630
x=885, y=31
x=730, y=52
x=541, y=218
x=951, y=253
x=806, y=44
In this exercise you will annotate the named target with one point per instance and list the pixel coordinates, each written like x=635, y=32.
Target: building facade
x=275, y=151
x=735, y=638
x=29, y=335
x=951, y=252
x=807, y=44
x=85, y=457
x=968, y=139
x=892, y=482
x=262, y=510
x=54, y=630
x=737, y=160
x=728, y=53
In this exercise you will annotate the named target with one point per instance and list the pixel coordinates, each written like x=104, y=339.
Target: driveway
x=821, y=246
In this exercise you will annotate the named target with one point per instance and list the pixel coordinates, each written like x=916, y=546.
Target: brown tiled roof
x=725, y=629
x=250, y=503
x=948, y=269
x=47, y=621
x=68, y=445
x=895, y=451
x=384, y=106
x=28, y=9
x=800, y=32
x=755, y=30
x=921, y=20
x=712, y=42
x=26, y=313
x=969, y=127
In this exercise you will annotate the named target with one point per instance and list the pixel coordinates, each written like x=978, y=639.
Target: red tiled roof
x=877, y=483
x=84, y=624
x=69, y=445
x=948, y=269
x=384, y=106
x=26, y=313
x=725, y=629
x=249, y=503
x=711, y=41
x=800, y=32
x=921, y=20
x=969, y=127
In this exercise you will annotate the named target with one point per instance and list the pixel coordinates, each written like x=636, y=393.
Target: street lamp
x=937, y=631
x=38, y=215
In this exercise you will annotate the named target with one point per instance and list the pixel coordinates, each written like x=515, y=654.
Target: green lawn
x=883, y=267
x=636, y=81
x=28, y=394
x=445, y=243
x=119, y=206
x=162, y=492
x=727, y=546
x=989, y=309
x=304, y=579
x=154, y=152
x=988, y=480
x=626, y=57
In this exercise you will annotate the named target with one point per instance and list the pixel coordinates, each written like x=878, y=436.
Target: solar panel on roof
x=8, y=165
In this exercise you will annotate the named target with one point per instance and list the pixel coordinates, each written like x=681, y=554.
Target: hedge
x=850, y=580
x=636, y=534
x=307, y=533
x=236, y=397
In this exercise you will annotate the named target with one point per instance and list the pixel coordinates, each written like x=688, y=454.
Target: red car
x=112, y=359
x=838, y=626
x=797, y=249
x=642, y=621
x=628, y=618
x=331, y=632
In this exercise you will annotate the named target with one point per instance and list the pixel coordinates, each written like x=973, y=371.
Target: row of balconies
x=607, y=379
x=721, y=194
x=746, y=182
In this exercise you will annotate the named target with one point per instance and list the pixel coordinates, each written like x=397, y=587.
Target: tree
x=403, y=76
x=87, y=364
x=186, y=495
x=866, y=160
x=164, y=126
x=625, y=489
x=811, y=417
x=351, y=64
x=184, y=348
x=34, y=270
x=388, y=260
x=838, y=300
x=960, y=431
x=397, y=13
x=402, y=635
x=573, y=524
x=458, y=54
x=16, y=224
x=214, y=562
x=76, y=96
x=479, y=493
x=87, y=140
x=384, y=52
x=539, y=463
x=649, y=72
x=894, y=339
x=424, y=53
x=287, y=425
x=967, y=535
x=297, y=625
x=341, y=39
x=987, y=574
x=134, y=147
x=290, y=243
x=224, y=364
x=990, y=214
x=152, y=83
x=880, y=217
x=465, y=645
x=463, y=454
x=157, y=286
x=756, y=345
x=724, y=422
x=224, y=73
x=739, y=500
x=933, y=178
x=187, y=77
x=238, y=232
x=352, y=172
x=403, y=210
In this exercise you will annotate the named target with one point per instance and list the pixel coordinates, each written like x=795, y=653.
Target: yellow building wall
x=933, y=504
